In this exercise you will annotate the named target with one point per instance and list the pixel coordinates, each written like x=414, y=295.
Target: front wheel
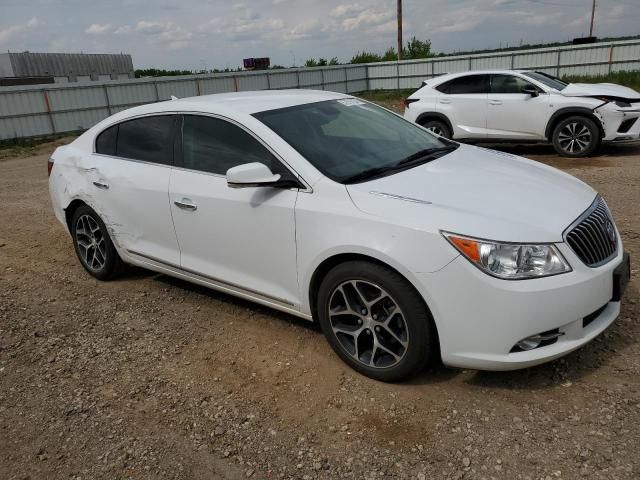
x=375, y=321
x=576, y=137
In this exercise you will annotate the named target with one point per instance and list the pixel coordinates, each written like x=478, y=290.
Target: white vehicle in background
x=401, y=244
x=524, y=106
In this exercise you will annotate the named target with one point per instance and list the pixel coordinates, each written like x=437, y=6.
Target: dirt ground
x=151, y=377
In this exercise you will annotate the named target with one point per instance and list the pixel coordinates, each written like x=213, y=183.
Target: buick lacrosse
x=402, y=245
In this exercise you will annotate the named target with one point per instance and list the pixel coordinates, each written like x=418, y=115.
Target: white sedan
x=403, y=246
x=522, y=106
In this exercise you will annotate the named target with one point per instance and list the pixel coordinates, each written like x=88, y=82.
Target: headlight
x=510, y=261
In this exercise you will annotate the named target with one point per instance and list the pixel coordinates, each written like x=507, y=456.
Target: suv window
x=469, y=84
x=106, y=141
x=213, y=145
x=509, y=84
x=148, y=138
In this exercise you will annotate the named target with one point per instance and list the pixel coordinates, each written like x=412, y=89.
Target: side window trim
x=174, y=133
x=179, y=160
x=524, y=79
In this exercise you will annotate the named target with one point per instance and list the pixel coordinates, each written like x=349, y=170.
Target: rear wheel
x=576, y=137
x=375, y=320
x=93, y=245
x=438, y=127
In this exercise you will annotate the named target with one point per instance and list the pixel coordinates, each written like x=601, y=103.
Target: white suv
x=399, y=243
x=520, y=106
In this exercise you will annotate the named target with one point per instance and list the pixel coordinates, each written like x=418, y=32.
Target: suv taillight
x=49, y=166
x=409, y=101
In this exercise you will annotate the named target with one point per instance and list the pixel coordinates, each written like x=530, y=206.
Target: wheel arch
x=70, y=209
x=570, y=112
x=332, y=261
x=426, y=116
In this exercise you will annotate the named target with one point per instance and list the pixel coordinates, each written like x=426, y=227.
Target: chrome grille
x=593, y=236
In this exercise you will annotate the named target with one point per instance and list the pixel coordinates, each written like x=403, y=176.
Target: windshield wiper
x=413, y=160
x=426, y=155
x=369, y=173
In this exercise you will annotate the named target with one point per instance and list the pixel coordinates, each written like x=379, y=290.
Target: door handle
x=102, y=185
x=495, y=102
x=445, y=101
x=186, y=204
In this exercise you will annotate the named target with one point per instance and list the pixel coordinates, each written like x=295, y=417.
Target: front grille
x=593, y=237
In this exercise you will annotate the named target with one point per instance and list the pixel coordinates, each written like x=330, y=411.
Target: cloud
x=172, y=35
x=16, y=31
x=97, y=29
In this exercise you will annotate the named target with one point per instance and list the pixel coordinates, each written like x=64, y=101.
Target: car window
x=213, y=145
x=509, y=84
x=147, y=138
x=106, y=141
x=546, y=79
x=469, y=84
x=346, y=137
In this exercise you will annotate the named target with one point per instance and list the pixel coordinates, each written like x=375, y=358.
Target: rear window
x=106, y=141
x=469, y=84
x=149, y=139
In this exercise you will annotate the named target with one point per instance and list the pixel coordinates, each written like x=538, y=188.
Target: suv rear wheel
x=576, y=137
x=375, y=320
x=438, y=127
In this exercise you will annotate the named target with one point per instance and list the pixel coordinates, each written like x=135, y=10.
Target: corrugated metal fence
x=53, y=109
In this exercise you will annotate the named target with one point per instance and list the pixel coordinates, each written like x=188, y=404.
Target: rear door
x=129, y=174
x=513, y=114
x=464, y=102
x=241, y=238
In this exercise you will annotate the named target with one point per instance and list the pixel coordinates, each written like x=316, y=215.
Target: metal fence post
x=513, y=61
x=611, y=57
x=298, y=78
x=48, y=107
x=106, y=97
x=398, y=75
x=155, y=86
x=558, y=67
x=367, y=77
x=346, y=80
x=322, y=74
x=470, y=63
x=268, y=81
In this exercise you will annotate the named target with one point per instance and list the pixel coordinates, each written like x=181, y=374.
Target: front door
x=514, y=114
x=240, y=237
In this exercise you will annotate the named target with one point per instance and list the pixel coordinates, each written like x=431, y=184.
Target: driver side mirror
x=530, y=90
x=256, y=174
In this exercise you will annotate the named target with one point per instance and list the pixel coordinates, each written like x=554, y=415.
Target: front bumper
x=620, y=124
x=480, y=318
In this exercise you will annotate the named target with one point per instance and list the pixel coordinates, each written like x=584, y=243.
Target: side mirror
x=530, y=90
x=251, y=175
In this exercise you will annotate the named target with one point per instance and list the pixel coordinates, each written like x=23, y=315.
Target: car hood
x=600, y=89
x=479, y=192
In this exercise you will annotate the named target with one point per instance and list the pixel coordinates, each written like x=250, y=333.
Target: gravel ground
x=151, y=377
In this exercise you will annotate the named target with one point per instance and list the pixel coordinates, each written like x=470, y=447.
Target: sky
x=203, y=34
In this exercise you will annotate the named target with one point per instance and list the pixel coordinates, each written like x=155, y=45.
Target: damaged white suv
x=521, y=106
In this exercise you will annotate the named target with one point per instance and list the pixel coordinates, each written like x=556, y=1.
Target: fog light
x=534, y=341
x=529, y=343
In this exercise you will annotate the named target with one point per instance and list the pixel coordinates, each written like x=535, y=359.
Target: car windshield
x=548, y=80
x=350, y=140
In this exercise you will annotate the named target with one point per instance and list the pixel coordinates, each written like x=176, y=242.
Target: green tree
x=417, y=49
x=365, y=57
x=334, y=61
x=311, y=62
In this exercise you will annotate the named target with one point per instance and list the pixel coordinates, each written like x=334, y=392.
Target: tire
x=93, y=245
x=576, y=137
x=438, y=127
x=390, y=346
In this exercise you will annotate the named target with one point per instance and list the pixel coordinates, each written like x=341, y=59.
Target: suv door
x=514, y=114
x=242, y=238
x=129, y=182
x=464, y=101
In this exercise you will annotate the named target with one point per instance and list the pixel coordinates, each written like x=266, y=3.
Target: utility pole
x=593, y=14
x=400, y=30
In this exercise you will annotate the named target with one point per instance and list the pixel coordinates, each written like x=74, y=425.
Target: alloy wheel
x=575, y=138
x=91, y=242
x=437, y=130
x=368, y=323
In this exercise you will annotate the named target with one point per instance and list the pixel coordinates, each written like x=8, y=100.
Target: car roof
x=449, y=76
x=239, y=102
